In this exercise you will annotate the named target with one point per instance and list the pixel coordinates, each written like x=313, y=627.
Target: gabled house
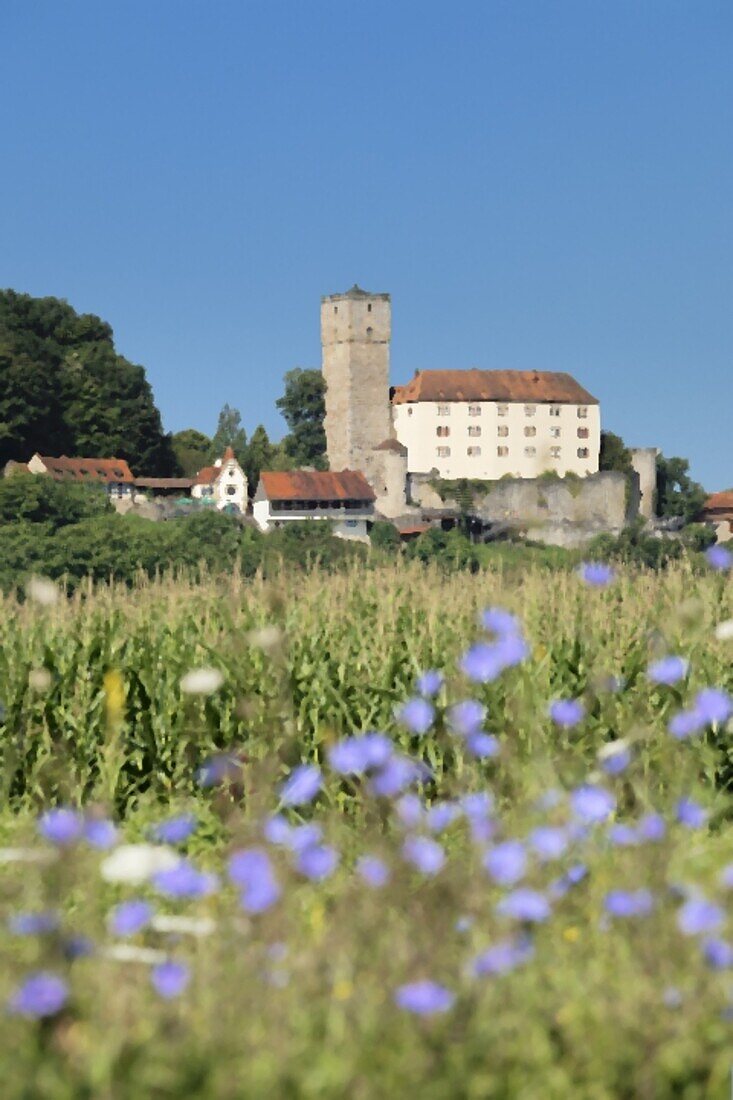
x=345, y=499
x=224, y=484
x=113, y=473
x=718, y=510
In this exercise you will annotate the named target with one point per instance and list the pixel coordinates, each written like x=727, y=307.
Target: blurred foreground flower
x=417, y=714
x=566, y=713
x=668, y=670
x=42, y=994
x=134, y=864
x=302, y=786
x=42, y=591
x=719, y=558
x=170, y=979
x=596, y=573
x=373, y=870
x=424, y=998
x=724, y=631
x=176, y=829
x=202, y=681
x=62, y=827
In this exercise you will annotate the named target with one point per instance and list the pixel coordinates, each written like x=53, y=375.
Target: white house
x=485, y=424
x=223, y=484
x=344, y=499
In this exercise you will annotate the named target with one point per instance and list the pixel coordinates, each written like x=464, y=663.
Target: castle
x=453, y=424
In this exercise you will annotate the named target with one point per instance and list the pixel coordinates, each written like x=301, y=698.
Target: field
x=545, y=906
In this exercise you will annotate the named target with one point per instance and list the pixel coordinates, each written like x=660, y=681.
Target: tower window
x=335, y=309
x=370, y=330
x=369, y=308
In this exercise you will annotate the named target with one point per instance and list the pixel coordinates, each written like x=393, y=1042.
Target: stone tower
x=355, y=334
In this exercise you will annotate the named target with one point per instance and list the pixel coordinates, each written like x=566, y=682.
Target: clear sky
x=538, y=183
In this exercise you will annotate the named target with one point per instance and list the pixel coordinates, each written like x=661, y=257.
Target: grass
x=298, y=1001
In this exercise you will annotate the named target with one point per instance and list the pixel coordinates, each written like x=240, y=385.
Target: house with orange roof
x=113, y=473
x=718, y=510
x=223, y=485
x=344, y=498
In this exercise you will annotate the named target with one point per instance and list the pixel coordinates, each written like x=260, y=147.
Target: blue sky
x=538, y=185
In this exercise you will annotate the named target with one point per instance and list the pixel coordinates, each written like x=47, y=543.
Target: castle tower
x=355, y=334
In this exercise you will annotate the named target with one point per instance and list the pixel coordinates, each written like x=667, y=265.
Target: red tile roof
x=493, y=385
x=87, y=469
x=207, y=476
x=719, y=502
x=315, y=485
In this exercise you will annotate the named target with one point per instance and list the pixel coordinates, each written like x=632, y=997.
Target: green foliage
x=384, y=536
x=192, y=449
x=303, y=405
x=464, y=490
x=635, y=546
x=677, y=493
x=27, y=498
x=259, y=455
x=614, y=454
x=67, y=391
x=229, y=433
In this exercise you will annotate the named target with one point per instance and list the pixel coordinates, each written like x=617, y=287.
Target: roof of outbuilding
x=719, y=502
x=315, y=485
x=493, y=385
x=87, y=469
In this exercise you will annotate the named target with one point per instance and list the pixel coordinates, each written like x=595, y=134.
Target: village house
x=718, y=511
x=113, y=473
x=223, y=484
x=344, y=499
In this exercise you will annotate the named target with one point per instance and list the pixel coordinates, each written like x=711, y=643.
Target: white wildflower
x=265, y=637
x=202, y=681
x=612, y=748
x=195, y=926
x=136, y=863
x=42, y=591
x=724, y=631
x=39, y=679
x=126, y=952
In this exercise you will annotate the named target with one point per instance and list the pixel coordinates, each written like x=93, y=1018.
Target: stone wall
x=560, y=512
x=644, y=461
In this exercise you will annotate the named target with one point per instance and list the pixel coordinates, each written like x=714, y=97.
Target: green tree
x=66, y=390
x=677, y=493
x=260, y=454
x=614, y=454
x=229, y=433
x=31, y=498
x=192, y=449
x=303, y=405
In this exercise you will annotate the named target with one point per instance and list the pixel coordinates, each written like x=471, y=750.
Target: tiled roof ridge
x=494, y=385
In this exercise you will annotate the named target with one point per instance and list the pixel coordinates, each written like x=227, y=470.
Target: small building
x=224, y=484
x=486, y=424
x=718, y=511
x=113, y=473
x=345, y=499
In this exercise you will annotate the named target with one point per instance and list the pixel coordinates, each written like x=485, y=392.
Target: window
x=530, y=452
x=583, y=433
x=583, y=452
x=555, y=452
x=474, y=429
x=442, y=430
x=370, y=330
x=335, y=309
x=582, y=412
x=554, y=410
x=353, y=522
x=443, y=452
x=369, y=308
x=502, y=410
x=473, y=452
x=530, y=431
x=555, y=432
x=474, y=410
x=502, y=451
x=409, y=411
x=503, y=430
x=231, y=473
x=443, y=410
x=231, y=490
x=530, y=410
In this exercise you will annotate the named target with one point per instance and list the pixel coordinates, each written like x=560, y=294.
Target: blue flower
x=719, y=558
x=220, y=768
x=502, y=957
x=477, y=805
x=652, y=827
x=251, y=870
x=506, y=863
x=42, y=994
x=713, y=706
x=614, y=758
x=398, y=773
x=548, y=842
x=628, y=903
x=302, y=786
x=684, y=724
x=373, y=870
x=668, y=670
x=466, y=717
x=100, y=833
x=430, y=683
x=441, y=815
x=623, y=836
x=567, y=713
x=424, y=998
x=304, y=836
x=726, y=877
x=596, y=573
x=575, y=874
x=424, y=853
x=417, y=714
x=592, y=804
x=410, y=810
x=698, y=917
x=77, y=947
x=184, y=881
x=62, y=827
x=356, y=755
x=500, y=622
x=512, y=650
x=483, y=746
x=33, y=924
x=482, y=663
x=170, y=979
x=525, y=905
x=718, y=954
x=317, y=862
x=130, y=917
x=175, y=830
x=277, y=830
x=690, y=814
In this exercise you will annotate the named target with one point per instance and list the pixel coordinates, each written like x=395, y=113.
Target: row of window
x=503, y=410
x=443, y=431
x=319, y=505
x=502, y=452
